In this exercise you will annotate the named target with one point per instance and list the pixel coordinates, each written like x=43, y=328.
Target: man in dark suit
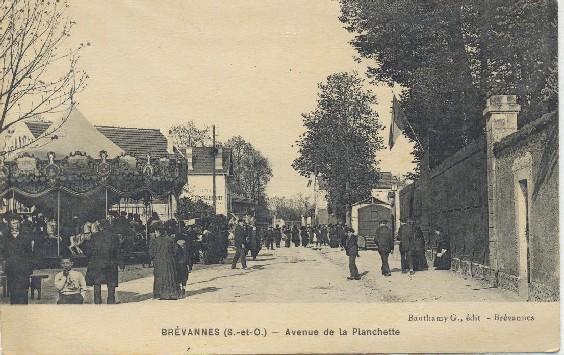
x=407, y=244
x=277, y=236
x=385, y=241
x=341, y=236
x=269, y=236
x=103, y=250
x=17, y=253
x=351, y=248
x=240, y=245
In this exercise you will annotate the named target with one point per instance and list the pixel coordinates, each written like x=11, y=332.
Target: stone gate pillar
x=501, y=120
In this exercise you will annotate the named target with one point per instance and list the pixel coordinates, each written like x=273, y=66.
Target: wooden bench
x=35, y=284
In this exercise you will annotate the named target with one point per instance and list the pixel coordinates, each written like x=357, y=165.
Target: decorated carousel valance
x=81, y=175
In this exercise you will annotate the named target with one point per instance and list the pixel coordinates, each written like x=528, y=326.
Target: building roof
x=203, y=161
x=37, y=127
x=137, y=142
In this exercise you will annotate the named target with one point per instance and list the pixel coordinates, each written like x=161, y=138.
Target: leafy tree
x=451, y=55
x=188, y=134
x=189, y=208
x=34, y=81
x=341, y=141
x=252, y=169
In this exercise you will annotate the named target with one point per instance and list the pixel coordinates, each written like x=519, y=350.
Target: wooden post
x=213, y=171
x=59, y=222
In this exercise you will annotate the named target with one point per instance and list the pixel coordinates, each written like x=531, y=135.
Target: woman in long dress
x=162, y=251
x=442, y=258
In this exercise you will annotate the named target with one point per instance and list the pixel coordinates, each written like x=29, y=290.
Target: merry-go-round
x=80, y=177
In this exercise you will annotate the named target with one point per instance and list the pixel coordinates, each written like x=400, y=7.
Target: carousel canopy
x=75, y=134
x=73, y=157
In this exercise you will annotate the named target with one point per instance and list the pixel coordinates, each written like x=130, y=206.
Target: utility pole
x=214, y=150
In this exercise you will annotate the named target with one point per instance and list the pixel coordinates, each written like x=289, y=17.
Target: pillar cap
x=501, y=103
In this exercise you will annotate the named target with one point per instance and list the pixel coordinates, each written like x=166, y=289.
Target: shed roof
x=137, y=142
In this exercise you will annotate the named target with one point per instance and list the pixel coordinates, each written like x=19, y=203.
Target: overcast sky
x=249, y=67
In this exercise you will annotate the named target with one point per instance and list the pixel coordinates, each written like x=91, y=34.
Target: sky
x=250, y=67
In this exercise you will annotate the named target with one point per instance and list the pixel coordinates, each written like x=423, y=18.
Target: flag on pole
x=398, y=124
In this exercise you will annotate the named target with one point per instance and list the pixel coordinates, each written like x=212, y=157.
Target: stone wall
x=482, y=195
x=533, y=149
x=454, y=196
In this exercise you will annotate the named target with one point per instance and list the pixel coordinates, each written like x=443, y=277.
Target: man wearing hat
x=103, y=250
x=240, y=245
x=16, y=250
x=351, y=248
x=70, y=284
x=385, y=241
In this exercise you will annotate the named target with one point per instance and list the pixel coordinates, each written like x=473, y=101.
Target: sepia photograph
x=282, y=166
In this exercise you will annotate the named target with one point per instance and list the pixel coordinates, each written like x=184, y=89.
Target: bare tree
x=37, y=77
x=189, y=135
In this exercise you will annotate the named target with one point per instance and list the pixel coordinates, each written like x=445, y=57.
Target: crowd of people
x=172, y=248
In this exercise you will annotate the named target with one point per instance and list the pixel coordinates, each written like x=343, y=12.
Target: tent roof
x=75, y=134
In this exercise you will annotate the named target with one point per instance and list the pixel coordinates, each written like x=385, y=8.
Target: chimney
x=501, y=116
x=219, y=158
x=189, y=158
x=169, y=144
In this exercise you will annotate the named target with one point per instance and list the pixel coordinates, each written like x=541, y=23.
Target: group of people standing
x=411, y=246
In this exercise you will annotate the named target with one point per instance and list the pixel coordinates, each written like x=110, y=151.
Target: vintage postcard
x=279, y=176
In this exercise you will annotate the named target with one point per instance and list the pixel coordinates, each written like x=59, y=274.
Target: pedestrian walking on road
x=286, y=236
x=407, y=245
x=351, y=248
x=419, y=258
x=295, y=236
x=269, y=236
x=304, y=236
x=385, y=241
x=181, y=259
x=240, y=245
x=333, y=238
x=341, y=236
x=166, y=285
x=277, y=236
x=253, y=241
x=103, y=250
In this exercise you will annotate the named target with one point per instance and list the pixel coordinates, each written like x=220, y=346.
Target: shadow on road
x=128, y=297
x=202, y=290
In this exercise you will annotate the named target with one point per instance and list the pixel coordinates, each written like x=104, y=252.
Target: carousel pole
x=59, y=222
x=106, y=202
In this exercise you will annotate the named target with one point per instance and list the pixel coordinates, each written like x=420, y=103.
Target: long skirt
x=166, y=284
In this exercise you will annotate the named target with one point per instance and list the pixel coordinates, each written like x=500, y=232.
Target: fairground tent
x=68, y=135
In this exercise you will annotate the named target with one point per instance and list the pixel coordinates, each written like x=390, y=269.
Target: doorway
x=522, y=224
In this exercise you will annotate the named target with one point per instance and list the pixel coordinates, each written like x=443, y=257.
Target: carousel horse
x=77, y=240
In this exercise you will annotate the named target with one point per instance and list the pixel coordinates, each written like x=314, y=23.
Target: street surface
x=318, y=275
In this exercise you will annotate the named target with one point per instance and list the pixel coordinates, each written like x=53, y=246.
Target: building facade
x=203, y=164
